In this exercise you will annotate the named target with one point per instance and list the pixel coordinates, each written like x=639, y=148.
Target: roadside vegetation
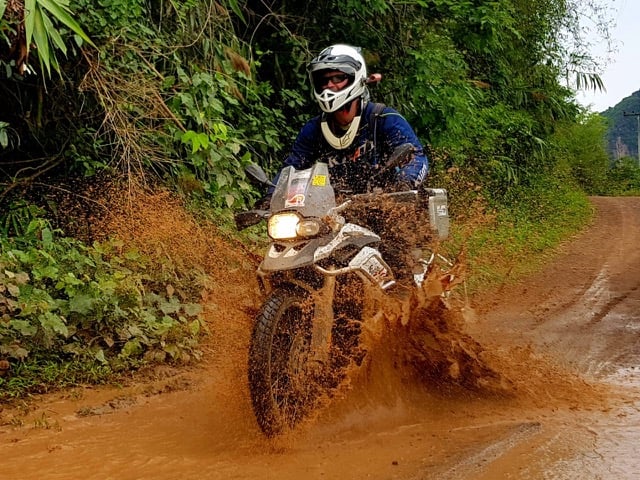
x=179, y=97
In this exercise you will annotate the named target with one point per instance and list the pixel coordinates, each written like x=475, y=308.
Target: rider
x=354, y=136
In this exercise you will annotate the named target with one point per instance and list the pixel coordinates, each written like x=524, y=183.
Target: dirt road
x=564, y=344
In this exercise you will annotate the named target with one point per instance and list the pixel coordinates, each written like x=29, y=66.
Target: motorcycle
x=307, y=332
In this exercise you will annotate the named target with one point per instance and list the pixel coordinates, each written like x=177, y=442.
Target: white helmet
x=347, y=60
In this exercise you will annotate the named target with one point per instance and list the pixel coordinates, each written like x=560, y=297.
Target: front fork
x=323, y=321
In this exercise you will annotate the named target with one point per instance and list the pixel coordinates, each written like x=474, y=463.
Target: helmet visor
x=344, y=63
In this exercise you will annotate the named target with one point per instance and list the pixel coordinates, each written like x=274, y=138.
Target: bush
x=63, y=300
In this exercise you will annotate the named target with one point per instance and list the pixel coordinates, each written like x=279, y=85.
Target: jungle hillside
x=126, y=125
x=622, y=134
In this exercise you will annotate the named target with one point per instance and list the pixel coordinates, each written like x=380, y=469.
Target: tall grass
x=525, y=230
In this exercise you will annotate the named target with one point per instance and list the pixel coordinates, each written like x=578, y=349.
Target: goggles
x=337, y=78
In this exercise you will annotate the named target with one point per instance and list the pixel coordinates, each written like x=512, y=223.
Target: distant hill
x=622, y=134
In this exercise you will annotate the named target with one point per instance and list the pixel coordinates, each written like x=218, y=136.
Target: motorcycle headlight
x=308, y=228
x=289, y=225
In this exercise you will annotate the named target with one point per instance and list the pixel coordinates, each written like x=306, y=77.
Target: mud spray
x=423, y=364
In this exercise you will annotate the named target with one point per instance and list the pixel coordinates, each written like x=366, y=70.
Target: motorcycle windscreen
x=307, y=191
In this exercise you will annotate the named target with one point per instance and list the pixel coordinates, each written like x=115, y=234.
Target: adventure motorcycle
x=308, y=329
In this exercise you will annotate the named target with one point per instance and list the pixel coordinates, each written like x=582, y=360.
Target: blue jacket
x=377, y=137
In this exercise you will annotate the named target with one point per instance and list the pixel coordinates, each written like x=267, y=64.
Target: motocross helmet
x=347, y=60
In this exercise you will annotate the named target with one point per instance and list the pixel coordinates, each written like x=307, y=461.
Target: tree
x=582, y=145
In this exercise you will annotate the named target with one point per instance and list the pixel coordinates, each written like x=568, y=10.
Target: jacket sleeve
x=394, y=131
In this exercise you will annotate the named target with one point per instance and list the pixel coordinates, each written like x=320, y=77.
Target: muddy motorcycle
x=308, y=330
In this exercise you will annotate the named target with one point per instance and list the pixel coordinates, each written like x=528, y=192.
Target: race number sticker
x=368, y=261
x=319, y=180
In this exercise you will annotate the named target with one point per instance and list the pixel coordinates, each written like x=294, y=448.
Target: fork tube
x=323, y=320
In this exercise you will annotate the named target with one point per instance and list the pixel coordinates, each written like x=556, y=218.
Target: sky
x=621, y=76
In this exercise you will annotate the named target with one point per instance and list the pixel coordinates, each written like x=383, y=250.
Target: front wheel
x=283, y=384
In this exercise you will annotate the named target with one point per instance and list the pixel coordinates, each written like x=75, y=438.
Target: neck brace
x=346, y=139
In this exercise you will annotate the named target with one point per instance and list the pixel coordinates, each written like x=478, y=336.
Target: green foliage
x=210, y=104
x=582, y=146
x=219, y=116
x=442, y=100
x=624, y=177
x=99, y=304
x=502, y=141
x=40, y=28
x=45, y=374
x=195, y=89
x=8, y=137
x=214, y=147
x=105, y=19
x=21, y=219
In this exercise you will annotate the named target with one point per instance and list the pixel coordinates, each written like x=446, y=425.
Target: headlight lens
x=308, y=228
x=282, y=226
x=289, y=225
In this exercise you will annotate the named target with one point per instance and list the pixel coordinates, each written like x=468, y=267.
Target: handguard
x=249, y=218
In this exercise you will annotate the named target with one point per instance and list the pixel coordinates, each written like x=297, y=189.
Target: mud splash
x=432, y=362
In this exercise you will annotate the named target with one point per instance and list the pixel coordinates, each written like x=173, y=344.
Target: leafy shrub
x=97, y=304
x=624, y=177
x=581, y=145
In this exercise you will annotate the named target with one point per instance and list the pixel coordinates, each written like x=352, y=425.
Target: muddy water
x=543, y=382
